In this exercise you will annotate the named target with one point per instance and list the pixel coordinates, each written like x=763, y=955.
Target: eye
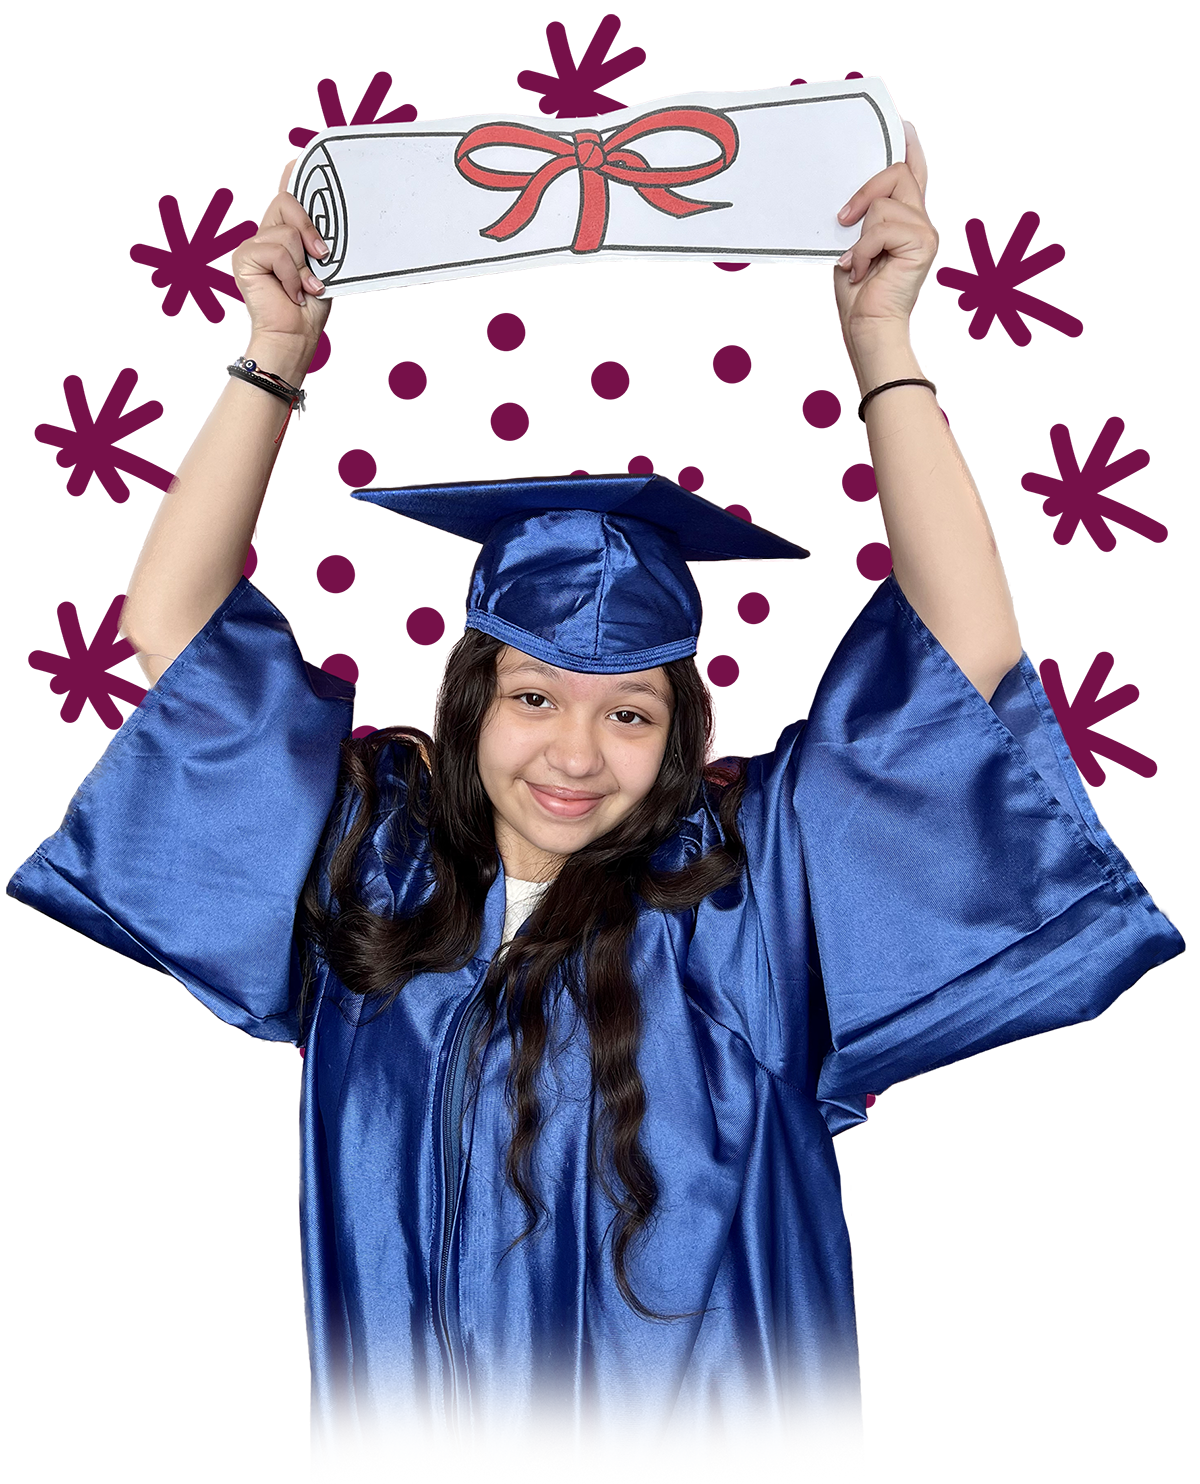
x=532, y=698
x=628, y=718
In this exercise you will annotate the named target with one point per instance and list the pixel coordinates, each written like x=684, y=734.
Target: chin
x=563, y=839
x=558, y=837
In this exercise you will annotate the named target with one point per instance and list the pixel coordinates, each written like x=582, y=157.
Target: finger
x=285, y=210
x=273, y=257
x=289, y=237
x=892, y=226
x=292, y=244
x=897, y=181
x=914, y=157
x=891, y=209
x=899, y=237
x=294, y=215
x=897, y=221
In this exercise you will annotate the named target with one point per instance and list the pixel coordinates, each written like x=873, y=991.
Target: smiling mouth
x=563, y=803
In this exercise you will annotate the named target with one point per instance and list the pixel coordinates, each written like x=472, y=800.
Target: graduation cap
x=586, y=573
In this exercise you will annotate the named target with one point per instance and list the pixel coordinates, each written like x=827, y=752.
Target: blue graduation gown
x=926, y=878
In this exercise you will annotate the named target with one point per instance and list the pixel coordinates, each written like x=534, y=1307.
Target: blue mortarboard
x=586, y=573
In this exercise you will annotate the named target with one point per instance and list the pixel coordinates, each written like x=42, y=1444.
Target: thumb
x=914, y=157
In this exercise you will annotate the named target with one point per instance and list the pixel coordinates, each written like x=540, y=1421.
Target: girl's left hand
x=876, y=283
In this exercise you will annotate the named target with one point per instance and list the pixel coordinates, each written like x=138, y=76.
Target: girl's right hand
x=284, y=298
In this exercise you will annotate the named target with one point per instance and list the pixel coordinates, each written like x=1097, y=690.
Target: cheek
x=490, y=754
x=638, y=767
x=503, y=749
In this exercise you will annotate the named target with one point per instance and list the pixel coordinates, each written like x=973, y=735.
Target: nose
x=574, y=748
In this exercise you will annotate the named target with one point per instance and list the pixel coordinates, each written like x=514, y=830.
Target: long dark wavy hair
x=577, y=938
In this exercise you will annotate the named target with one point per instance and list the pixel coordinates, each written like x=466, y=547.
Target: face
x=563, y=756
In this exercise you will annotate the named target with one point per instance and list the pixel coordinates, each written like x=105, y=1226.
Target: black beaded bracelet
x=250, y=371
x=904, y=381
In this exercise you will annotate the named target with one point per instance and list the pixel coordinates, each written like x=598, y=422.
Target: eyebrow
x=625, y=687
x=633, y=687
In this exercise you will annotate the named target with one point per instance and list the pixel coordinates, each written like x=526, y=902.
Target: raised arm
x=943, y=552
x=196, y=547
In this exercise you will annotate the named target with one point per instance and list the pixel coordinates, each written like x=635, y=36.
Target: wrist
x=287, y=356
x=881, y=353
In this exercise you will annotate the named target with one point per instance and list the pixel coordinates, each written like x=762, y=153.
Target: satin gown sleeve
x=932, y=866
x=187, y=845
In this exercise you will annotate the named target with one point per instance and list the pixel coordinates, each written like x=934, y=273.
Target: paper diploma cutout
x=713, y=175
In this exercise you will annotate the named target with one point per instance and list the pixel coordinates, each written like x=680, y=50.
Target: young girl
x=581, y=1011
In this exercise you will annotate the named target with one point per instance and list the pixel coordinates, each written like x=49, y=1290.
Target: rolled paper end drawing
x=319, y=191
x=752, y=176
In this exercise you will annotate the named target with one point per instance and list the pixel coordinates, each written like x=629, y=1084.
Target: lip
x=564, y=803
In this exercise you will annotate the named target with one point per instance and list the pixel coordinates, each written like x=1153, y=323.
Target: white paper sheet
x=395, y=207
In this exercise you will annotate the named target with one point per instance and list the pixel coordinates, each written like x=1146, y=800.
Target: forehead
x=513, y=664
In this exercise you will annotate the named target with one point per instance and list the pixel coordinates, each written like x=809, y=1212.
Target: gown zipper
x=452, y=1158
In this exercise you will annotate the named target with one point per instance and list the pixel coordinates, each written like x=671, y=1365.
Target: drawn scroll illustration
x=719, y=175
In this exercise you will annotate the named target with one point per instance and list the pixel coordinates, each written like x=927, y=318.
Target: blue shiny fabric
x=926, y=878
x=597, y=593
x=589, y=573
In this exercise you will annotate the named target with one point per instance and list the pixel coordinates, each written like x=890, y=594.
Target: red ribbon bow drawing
x=598, y=161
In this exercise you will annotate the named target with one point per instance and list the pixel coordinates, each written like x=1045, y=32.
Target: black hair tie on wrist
x=267, y=381
x=904, y=381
